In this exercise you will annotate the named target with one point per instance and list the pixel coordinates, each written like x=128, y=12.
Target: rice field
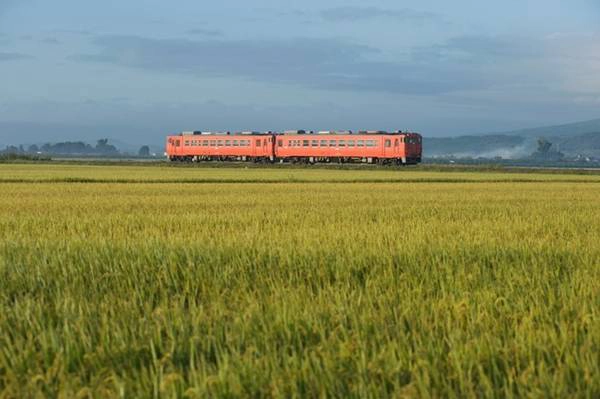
x=133, y=281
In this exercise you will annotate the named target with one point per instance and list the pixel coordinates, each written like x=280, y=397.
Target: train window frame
x=388, y=143
x=351, y=143
x=186, y=143
x=227, y=143
x=342, y=143
x=314, y=143
x=360, y=143
x=305, y=143
x=236, y=143
x=332, y=143
x=323, y=143
x=219, y=143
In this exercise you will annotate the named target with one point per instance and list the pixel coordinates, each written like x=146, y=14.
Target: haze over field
x=135, y=70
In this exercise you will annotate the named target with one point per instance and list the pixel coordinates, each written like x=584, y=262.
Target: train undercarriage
x=298, y=160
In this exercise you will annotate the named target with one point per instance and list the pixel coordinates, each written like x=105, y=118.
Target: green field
x=133, y=281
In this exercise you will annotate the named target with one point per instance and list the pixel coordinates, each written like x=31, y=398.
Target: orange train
x=402, y=148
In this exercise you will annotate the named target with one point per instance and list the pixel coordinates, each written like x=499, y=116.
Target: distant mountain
x=569, y=129
x=581, y=138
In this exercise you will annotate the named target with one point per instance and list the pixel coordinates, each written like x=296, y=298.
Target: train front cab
x=413, y=148
x=173, y=147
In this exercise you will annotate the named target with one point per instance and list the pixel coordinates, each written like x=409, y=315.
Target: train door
x=256, y=145
x=177, y=142
x=388, y=149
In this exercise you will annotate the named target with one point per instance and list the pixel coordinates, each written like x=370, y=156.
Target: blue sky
x=135, y=70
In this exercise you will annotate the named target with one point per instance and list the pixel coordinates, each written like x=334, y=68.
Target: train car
x=370, y=147
x=208, y=146
x=297, y=146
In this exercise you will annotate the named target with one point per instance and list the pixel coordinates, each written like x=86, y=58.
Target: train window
x=360, y=143
x=305, y=143
x=323, y=143
x=342, y=143
x=332, y=143
x=187, y=142
x=350, y=143
x=314, y=143
x=236, y=143
x=177, y=143
x=388, y=143
x=219, y=143
x=396, y=143
x=265, y=142
x=280, y=143
x=212, y=143
x=227, y=142
x=257, y=142
x=370, y=143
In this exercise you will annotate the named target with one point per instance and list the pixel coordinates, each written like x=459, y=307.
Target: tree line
x=102, y=147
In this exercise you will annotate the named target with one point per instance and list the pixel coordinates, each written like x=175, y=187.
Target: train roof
x=295, y=132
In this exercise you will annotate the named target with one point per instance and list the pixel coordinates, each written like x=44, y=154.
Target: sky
x=137, y=70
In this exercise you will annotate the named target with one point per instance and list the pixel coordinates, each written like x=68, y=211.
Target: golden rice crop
x=183, y=282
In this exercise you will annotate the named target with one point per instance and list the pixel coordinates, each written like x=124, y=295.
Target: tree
x=33, y=149
x=103, y=147
x=144, y=151
x=543, y=146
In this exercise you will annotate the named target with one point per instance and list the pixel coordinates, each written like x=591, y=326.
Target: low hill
x=569, y=129
x=581, y=138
